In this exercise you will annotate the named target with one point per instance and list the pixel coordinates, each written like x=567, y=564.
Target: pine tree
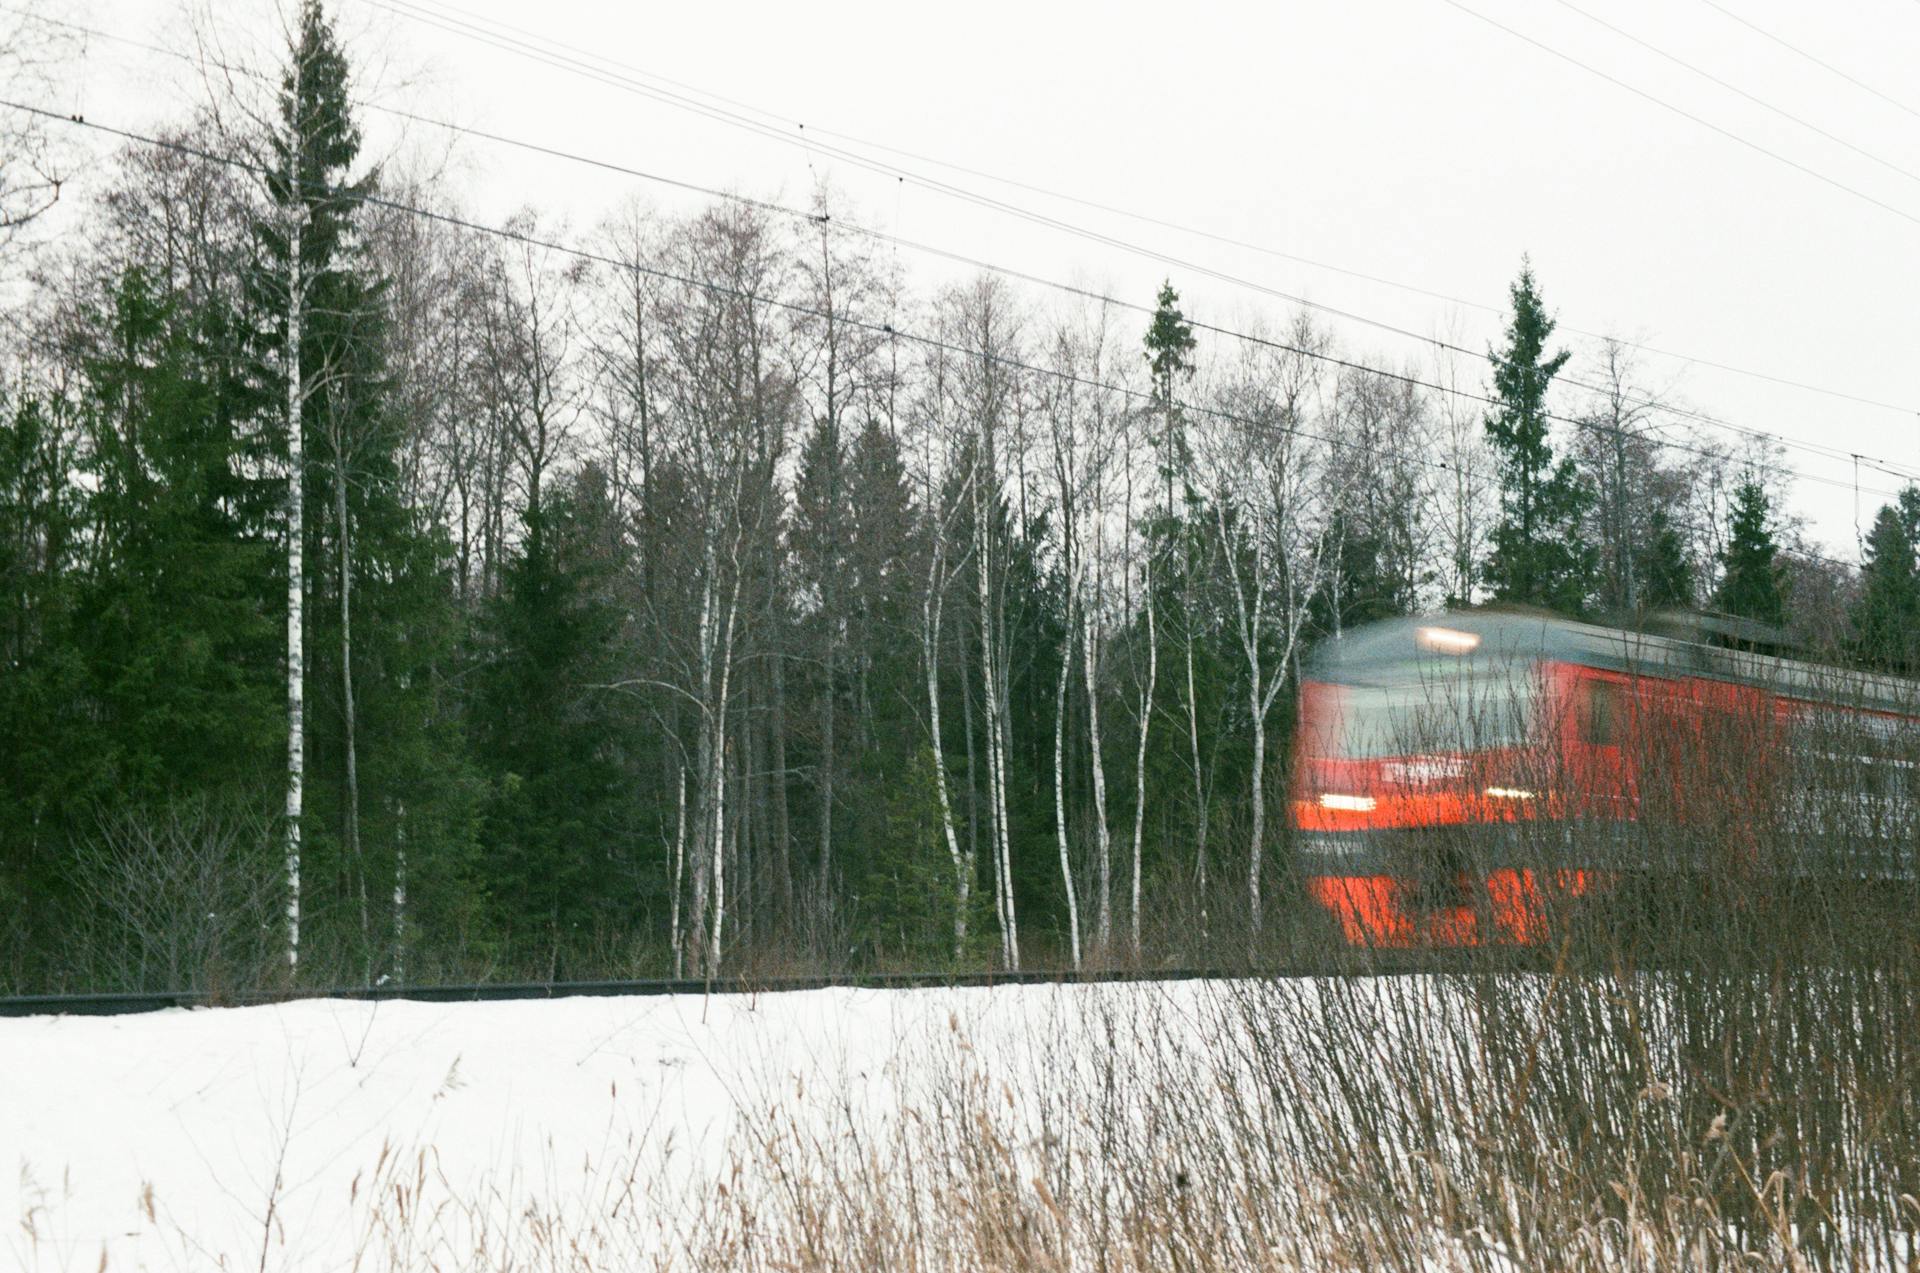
x=1886, y=618
x=1750, y=582
x=1538, y=556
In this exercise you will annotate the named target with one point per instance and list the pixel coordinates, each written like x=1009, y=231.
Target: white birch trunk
x=400, y=893
x=1140, y=757
x=719, y=782
x=1256, y=843
x=1060, y=788
x=709, y=742
x=296, y=576
x=1199, y=786
x=990, y=657
x=349, y=719
x=679, y=868
x=963, y=863
x=1103, y=835
x=719, y=857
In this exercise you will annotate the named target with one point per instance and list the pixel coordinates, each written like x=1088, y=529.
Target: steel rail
x=119, y=1003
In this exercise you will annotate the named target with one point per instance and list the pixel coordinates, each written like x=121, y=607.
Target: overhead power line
x=886, y=329
x=1814, y=449
x=1661, y=102
x=409, y=8
x=594, y=66
x=842, y=224
x=1799, y=52
x=1761, y=102
x=792, y=132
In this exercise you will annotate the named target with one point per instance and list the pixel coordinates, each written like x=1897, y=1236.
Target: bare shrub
x=181, y=897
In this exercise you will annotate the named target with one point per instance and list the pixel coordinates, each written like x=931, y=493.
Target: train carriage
x=1456, y=777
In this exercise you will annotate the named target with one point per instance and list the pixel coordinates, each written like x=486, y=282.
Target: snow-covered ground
x=162, y=1140
x=1337, y=1124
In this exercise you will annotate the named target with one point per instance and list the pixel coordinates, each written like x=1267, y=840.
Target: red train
x=1455, y=778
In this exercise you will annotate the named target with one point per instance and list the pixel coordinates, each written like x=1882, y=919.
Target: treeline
x=384, y=597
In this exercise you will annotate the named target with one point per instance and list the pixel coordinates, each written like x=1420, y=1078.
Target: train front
x=1424, y=806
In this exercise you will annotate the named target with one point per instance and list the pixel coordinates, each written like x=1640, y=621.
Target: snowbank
x=165, y=1139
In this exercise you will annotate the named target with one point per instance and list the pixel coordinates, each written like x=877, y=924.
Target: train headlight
x=1348, y=804
x=1508, y=793
x=1447, y=640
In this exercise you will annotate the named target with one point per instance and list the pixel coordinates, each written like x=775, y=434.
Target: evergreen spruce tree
x=175, y=621
x=1538, y=555
x=1170, y=345
x=1665, y=572
x=1886, y=618
x=1187, y=689
x=1750, y=582
x=547, y=738
x=386, y=797
x=46, y=729
x=1908, y=507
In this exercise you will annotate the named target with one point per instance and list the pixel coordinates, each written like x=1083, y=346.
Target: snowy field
x=1490, y=1124
x=162, y=1140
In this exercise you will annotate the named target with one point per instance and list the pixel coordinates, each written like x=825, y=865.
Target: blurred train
x=1458, y=779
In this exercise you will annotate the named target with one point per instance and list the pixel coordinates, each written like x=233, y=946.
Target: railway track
x=118, y=1003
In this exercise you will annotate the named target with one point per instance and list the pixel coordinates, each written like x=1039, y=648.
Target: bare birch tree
x=34, y=164
x=731, y=400
x=980, y=320
x=1269, y=502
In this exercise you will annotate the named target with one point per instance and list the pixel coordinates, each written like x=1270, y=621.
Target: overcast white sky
x=1408, y=140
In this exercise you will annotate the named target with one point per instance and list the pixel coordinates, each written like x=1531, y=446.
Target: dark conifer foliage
x=546, y=733
x=1664, y=567
x=1750, y=581
x=1540, y=556
x=1886, y=618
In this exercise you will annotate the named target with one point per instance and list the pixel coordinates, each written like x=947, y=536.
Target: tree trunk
x=782, y=828
x=990, y=658
x=349, y=720
x=400, y=893
x=296, y=577
x=1103, y=836
x=1060, y=787
x=1140, y=757
x=963, y=864
x=828, y=746
x=679, y=870
x=1200, y=818
x=1255, y=841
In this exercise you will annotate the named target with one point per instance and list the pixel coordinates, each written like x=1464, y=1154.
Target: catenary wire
x=407, y=8
x=1661, y=102
x=1810, y=448
x=1761, y=102
x=887, y=329
x=472, y=30
x=1797, y=51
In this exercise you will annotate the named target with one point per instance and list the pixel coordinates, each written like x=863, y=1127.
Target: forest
x=390, y=595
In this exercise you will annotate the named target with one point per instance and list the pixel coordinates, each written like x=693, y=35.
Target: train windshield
x=1423, y=714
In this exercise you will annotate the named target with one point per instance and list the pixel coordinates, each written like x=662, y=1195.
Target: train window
x=1454, y=714
x=1603, y=721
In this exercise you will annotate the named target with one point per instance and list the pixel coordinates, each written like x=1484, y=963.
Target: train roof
x=1381, y=652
